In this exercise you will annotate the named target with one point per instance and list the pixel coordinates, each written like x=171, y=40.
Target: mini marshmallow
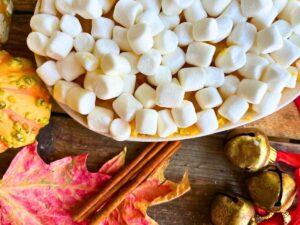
x=146, y=121
x=268, y=104
x=146, y=95
x=231, y=59
x=129, y=83
x=200, y=54
x=59, y=46
x=205, y=29
x=242, y=35
x=185, y=114
x=48, y=7
x=254, y=66
x=88, y=9
x=99, y=119
x=70, y=25
x=149, y=62
x=295, y=20
x=126, y=106
x=252, y=90
x=234, y=12
x=44, y=23
x=162, y=75
x=102, y=28
x=234, y=108
x=107, y=5
x=269, y=40
x=115, y=65
x=292, y=83
x=284, y=28
x=170, y=22
x=195, y=12
x=87, y=60
x=276, y=77
x=171, y=7
x=89, y=79
x=107, y=87
x=120, y=37
x=287, y=55
x=133, y=59
x=139, y=38
x=120, y=129
x=106, y=46
x=213, y=77
x=192, y=78
x=166, y=42
x=169, y=95
x=154, y=5
x=84, y=42
x=184, y=32
x=61, y=89
x=208, y=98
x=215, y=7
x=65, y=7
x=207, y=121
x=280, y=5
x=166, y=125
x=225, y=25
x=265, y=20
x=255, y=7
x=295, y=38
x=37, y=43
x=288, y=9
x=70, y=68
x=152, y=19
x=230, y=86
x=174, y=60
x=81, y=100
x=48, y=73
x=126, y=12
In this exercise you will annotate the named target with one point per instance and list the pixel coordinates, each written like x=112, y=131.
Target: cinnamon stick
x=117, y=182
x=164, y=155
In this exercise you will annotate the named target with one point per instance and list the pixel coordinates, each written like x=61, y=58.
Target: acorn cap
x=272, y=189
x=230, y=210
x=249, y=148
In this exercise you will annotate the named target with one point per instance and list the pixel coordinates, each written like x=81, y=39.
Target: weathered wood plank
x=285, y=123
x=24, y=5
x=209, y=170
x=17, y=40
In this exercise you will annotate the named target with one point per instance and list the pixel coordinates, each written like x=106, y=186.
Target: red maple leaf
x=35, y=193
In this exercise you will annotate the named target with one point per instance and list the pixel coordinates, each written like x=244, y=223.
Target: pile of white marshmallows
x=173, y=44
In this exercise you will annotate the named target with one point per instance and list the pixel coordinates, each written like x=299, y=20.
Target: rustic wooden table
x=208, y=168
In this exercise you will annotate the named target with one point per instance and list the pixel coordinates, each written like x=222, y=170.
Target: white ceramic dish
x=289, y=95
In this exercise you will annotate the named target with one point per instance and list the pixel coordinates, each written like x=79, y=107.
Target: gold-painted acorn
x=231, y=210
x=272, y=189
x=249, y=148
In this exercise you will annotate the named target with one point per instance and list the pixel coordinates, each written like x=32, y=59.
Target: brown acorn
x=272, y=189
x=231, y=210
x=249, y=148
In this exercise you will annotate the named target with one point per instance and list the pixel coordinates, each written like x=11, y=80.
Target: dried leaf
x=35, y=193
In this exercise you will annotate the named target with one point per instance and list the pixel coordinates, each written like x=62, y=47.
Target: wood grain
x=209, y=170
x=24, y=5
